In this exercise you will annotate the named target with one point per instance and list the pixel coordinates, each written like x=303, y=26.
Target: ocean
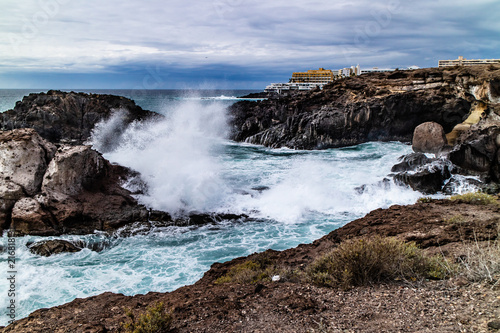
x=291, y=197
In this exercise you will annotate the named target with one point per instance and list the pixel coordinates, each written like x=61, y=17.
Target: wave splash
x=189, y=166
x=176, y=156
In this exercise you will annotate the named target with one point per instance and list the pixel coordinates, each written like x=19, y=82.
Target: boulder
x=24, y=157
x=429, y=137
x=50, y=247
x=73, y=169
x=30, y=218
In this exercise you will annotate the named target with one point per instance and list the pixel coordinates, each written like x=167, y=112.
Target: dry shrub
x=366, y=261
x=481, y=263
x=154, y=320
x=259, y=269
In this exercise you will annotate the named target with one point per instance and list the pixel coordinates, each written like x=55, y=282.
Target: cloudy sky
x=153, y=44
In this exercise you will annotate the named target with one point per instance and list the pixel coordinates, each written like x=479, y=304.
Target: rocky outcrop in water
x=371, y=107
x=70, y=190
x=49, y=191
x=69, y=117
x=55, y=246
x=464, y=101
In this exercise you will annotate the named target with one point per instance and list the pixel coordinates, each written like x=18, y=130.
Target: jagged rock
x=24, y=157
x=68, y=116
x=477, y=151
x=454, y=185
x=411, y=162
x=374, y=107
x=427, y=179
x=429, y=137
x=50, y=247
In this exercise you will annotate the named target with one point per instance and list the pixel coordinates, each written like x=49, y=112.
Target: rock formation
x=70, y=117
x=429, y=137
x=71, y=190
x=464, y=101
x=55, y=246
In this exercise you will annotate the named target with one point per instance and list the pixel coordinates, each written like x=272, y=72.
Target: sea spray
x=176, y=156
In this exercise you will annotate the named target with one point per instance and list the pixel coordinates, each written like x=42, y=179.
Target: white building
x=461, y=61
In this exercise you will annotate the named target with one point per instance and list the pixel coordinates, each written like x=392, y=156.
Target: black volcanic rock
x=372, y=107
x=68, y=116
x=55, y=246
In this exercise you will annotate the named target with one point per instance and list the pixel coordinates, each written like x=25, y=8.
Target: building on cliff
x=318, y=76
x=461, y=61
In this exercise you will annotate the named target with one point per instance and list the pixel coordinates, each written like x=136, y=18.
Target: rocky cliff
x=464, y=101
x=69, y=117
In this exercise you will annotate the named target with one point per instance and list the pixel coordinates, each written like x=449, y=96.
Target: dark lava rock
x=56, y=246
x=454, y=185
x=68, y=116
x=411, y=162
x=427, y=179
x=356, y=110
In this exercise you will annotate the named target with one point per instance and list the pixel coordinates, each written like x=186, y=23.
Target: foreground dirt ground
x=438, y=226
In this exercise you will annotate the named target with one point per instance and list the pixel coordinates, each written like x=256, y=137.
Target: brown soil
x=454, y=305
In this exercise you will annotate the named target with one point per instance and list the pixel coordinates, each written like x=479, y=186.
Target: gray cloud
x=69, y=36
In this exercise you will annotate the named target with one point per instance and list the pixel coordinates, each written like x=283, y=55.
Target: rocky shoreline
x=451, y=305
x=462, y=104
x=53, y=184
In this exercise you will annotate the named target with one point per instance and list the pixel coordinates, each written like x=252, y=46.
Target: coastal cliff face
x=69, y=117
x=464, y=101
x=371, y=107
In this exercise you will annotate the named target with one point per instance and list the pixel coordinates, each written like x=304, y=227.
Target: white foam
x=177, y=156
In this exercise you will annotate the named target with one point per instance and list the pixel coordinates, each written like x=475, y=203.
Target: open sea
x=292, y=196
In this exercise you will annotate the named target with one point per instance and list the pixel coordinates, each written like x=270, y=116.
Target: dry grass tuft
x=366, y=261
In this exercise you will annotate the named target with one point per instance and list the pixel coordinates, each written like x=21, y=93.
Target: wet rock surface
x=50, y=247
x=400, y=106
x=68, y=116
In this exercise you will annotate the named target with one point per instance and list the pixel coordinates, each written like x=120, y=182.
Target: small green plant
x=476, y=198
x=259, y=268
x=456, y=219
x=154, y=320
x=424, y=199
x=365, y=261
x=250, y=271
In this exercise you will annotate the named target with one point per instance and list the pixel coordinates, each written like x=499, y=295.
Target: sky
x=230, y=44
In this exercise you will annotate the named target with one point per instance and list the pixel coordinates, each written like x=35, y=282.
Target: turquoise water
x=189, y=165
